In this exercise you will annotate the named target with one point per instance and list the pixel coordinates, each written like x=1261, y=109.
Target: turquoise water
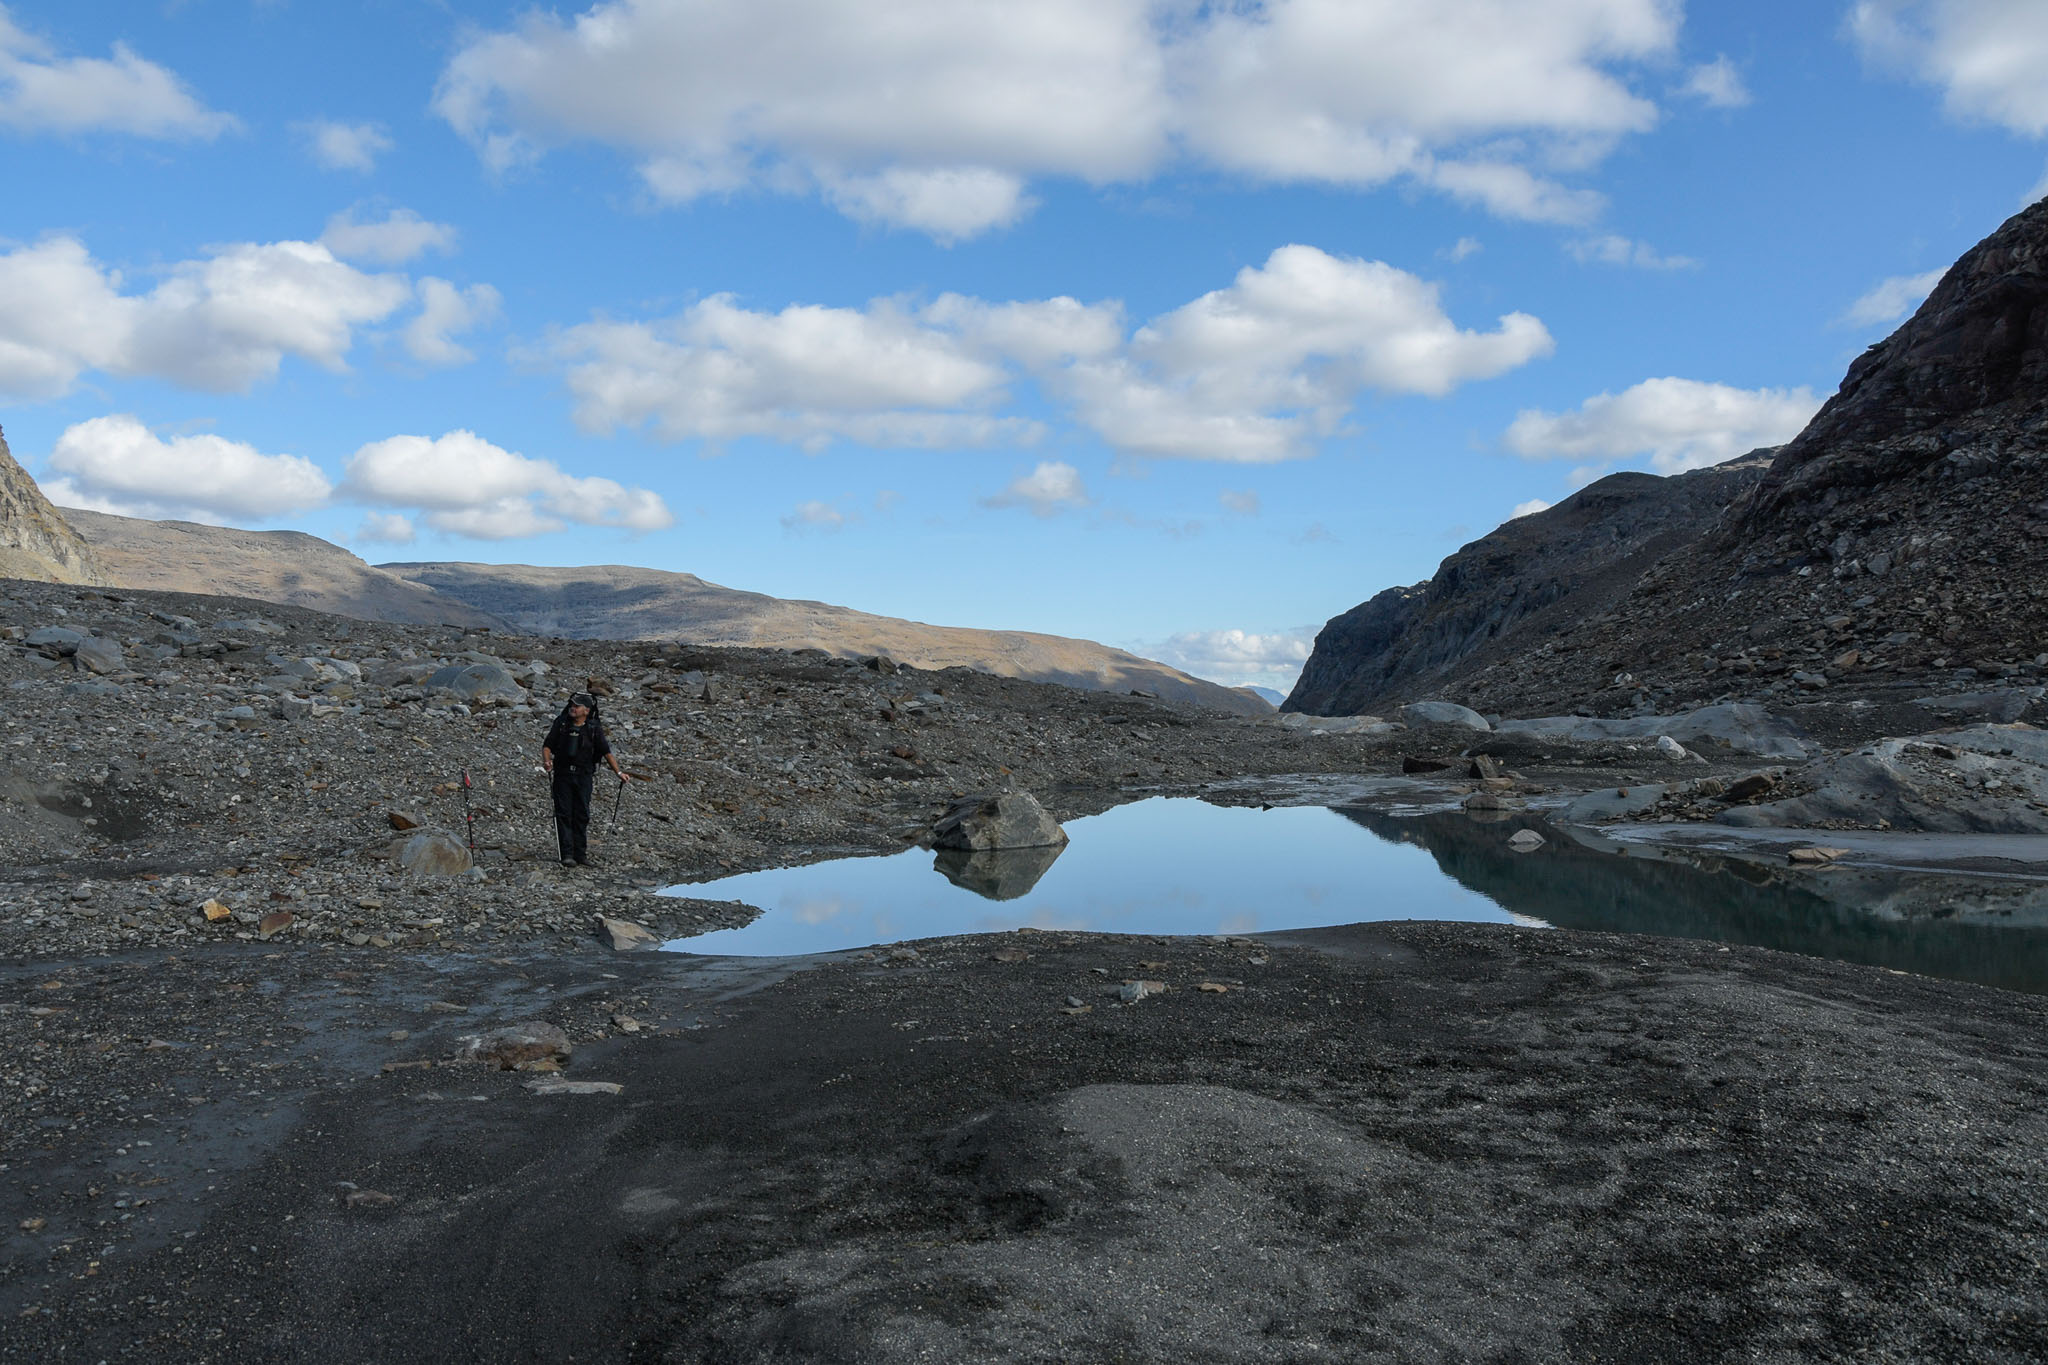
x=1182, y=866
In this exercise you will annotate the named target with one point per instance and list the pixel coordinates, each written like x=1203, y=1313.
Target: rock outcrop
x=1505, y=593
x=36, y=542
x=1896, y=548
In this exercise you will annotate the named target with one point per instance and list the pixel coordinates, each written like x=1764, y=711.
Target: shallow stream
x=1183, y=866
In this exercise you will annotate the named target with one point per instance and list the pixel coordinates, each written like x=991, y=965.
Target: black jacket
x=577, y=749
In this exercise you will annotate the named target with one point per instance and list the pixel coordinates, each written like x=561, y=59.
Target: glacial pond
x=1183, y=866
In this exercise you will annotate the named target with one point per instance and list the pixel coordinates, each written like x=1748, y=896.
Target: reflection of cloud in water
x=1238, y=924
x=1314, y=895
x=817, y=911
x=1053, y=918
x=1530, y=921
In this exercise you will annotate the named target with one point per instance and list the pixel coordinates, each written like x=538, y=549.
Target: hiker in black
x=575, y=745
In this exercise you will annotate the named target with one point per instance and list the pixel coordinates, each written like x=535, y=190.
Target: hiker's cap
x=584, y=699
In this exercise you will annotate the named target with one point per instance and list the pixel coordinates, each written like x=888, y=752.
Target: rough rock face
x=1528, y=579
x=35, y=540
x=1895, y=548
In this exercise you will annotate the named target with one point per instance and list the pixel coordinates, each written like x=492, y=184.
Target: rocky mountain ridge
x=621, y=602
x=601, y=602
x=1526, y=581
x=35, y=540
x=1896, y=547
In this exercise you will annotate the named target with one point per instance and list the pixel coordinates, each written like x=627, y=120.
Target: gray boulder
x=58, y=640
x=997, y=820
x=478, y=683
x=1420, y=713
x=433, y=853
x=98, y=654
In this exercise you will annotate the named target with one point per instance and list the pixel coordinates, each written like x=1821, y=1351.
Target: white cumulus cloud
x=1236, y=658
x=41, y=92
x=400, y=236
x=220, y=324
x=386, y=528
x=1892, y=298
x=815, y=515
x=1989, y=57
x=345, y=146
x=1252, y=372
x=1051, y=488
x=1529, y=508
x=1611, y=249
x=445, y=311
x=938, y=114
x=1679, y=423
x=1717, y=83
x=116, y=464
x=466, y=485
x=1243, y=502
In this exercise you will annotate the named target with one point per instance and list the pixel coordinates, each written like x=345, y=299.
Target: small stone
x=1672, y=749
x=215, y=912
x=271, y=925
x=1213, y=987
x=1131, y=992
x=1490, y=801
x=1754, y=784
x=625, y=1023
x=399, y=1035
x=402, y=820
x=506, y=1047
x=1815, y=855
x=353, y=1196
x=1009, y=955
x=1074, y=1002
x=1525, y=841
x=625, y=936
x=33, y=1224
x=555, y=1085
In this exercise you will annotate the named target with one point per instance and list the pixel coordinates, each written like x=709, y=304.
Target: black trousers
x=572, y=810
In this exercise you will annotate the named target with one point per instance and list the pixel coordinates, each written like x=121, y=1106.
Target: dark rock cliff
x=1897, y=546
x=1509, y=590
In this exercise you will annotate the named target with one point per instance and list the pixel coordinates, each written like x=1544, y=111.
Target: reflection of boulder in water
x=1001, y=874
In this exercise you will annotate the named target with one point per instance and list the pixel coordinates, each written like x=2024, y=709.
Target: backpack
x=593, y=728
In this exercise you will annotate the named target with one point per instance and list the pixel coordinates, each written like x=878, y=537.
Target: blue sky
x=1179, y=326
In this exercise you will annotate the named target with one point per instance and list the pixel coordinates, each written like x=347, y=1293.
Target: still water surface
x=1182, y=866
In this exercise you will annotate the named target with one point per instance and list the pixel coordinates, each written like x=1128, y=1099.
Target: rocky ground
x=233, y=1125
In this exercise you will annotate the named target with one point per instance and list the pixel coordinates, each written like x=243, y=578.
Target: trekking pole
x=468, y=816
x=553, y=813
x=616, y=796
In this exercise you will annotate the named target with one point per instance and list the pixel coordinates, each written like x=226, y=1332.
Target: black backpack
x=593, y=730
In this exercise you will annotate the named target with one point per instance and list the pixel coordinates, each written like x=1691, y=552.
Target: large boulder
x=433, y=853
x=478, y=683
x=1421, y=713
x=997, y=820
x=98, y=654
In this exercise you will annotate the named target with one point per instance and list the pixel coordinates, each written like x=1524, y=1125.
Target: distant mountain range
x=611, y=602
